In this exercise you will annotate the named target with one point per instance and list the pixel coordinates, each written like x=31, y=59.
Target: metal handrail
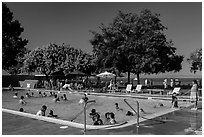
x=125, y=100
x=85, y=103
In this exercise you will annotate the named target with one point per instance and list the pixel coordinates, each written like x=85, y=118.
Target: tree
x=13, y=46
x=195, y=60
x=135, y=44
x=51, y=58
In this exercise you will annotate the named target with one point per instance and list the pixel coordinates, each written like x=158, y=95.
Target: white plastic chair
x=128, y=88
x=175, y=90
x=138, y=88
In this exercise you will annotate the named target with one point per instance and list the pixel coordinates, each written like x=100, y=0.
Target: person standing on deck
x=172, y=83
x=165, y=84
x=194, y=94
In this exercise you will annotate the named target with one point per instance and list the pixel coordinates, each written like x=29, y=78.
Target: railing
x=85, y=103
x=137, y=116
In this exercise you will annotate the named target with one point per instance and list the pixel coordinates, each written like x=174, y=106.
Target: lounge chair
x=175, y=90
x=138, y=89
x=67, y=86
x=128, y=88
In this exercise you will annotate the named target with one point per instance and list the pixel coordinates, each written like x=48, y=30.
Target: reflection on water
x=193, y=122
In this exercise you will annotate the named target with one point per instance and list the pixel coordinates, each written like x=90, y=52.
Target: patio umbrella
x=106, y=74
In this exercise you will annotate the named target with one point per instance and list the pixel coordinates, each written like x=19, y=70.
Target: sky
x=70, y=23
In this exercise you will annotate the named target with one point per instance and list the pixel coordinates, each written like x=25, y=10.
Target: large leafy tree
x=195, y=60
x=13, y=46
x=135, y=44
x=52, y=57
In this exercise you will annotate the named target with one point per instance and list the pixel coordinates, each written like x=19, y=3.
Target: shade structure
x=77, y=73
x=58, y=73
x=23, y=73
x=5, y=73
x=106, y=75
x=32, y=74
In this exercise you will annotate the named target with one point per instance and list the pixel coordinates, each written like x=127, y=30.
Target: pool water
x=183, y=122
x=68, y=110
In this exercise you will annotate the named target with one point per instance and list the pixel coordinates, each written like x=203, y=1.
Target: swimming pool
x=146, y=104
x=68, y=110
x=183, y=122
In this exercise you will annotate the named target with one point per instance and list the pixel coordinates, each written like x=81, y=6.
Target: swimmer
x=56, y=99
x=22, y=101
x=15, y=95
x=51, y=114
x=27, y=95
x=117, y=107
x=41, y=112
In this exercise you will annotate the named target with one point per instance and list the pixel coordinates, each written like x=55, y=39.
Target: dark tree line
x=13, y=46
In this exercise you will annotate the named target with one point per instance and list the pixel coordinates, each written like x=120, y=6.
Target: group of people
x=95, y=116
x=193, y=96
x=57, y=98
x=40, y=94
x=148, y=82
x=42, y=111
x=173, y=83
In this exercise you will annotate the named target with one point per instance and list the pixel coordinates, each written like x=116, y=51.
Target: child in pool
x=117, y=107
x=15, y=95
x=93, y=114
x=56, y=99
x=112, y=119
x=21, y=110
x=51, y=114
x=22, y=101
x=98, y=121
x=64, y=97
x=40, y=94
x=27, y=95
x=44, y=94
x=41, y=112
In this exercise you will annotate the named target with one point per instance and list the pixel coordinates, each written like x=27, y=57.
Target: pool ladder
x=137, y=116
